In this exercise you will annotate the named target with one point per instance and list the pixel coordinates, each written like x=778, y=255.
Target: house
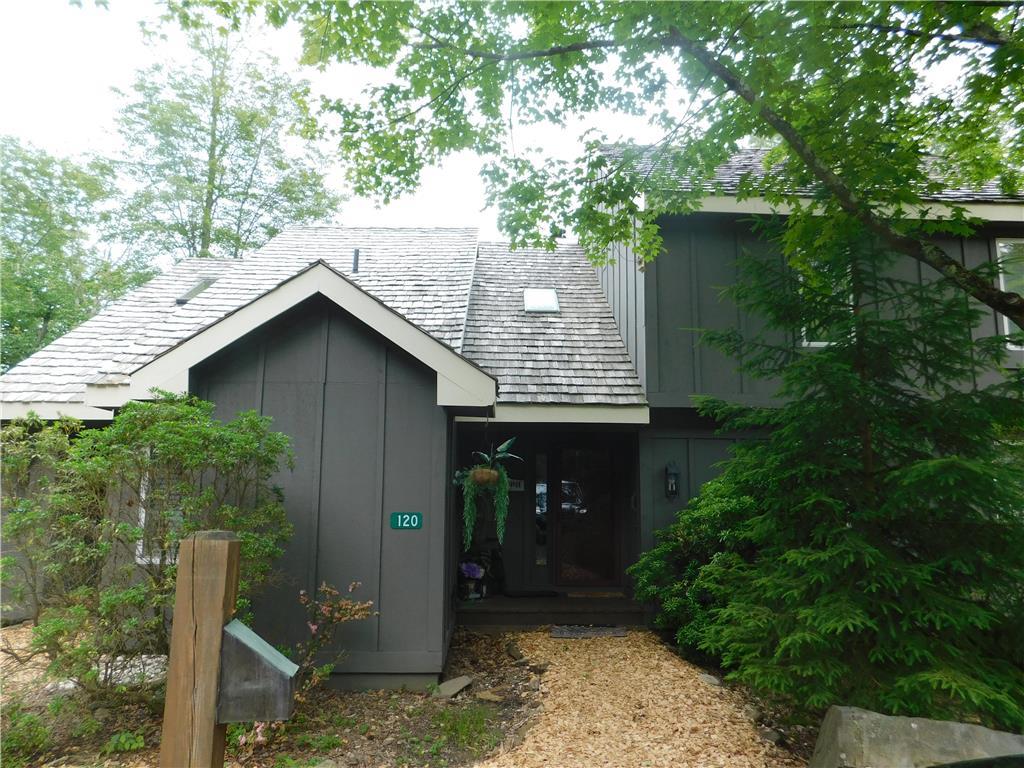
x=390, y=355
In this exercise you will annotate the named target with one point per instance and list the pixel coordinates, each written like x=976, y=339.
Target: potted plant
x=471, y=580
x=487, y=476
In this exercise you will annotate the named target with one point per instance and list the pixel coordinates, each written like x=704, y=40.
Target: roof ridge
x=469, y=297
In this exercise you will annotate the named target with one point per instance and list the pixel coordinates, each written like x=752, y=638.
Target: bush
x=25, y=736
x=105, y=530
x=868, y=548
x=667, y=575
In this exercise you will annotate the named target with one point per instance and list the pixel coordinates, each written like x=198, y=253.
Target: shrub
x=870, y=545
x=32, y=448
x=105, y=530
x=25, y=736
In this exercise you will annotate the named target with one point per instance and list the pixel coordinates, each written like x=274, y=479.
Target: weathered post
x=203, y=603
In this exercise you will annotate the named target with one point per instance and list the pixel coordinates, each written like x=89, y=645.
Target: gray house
x=389, y=355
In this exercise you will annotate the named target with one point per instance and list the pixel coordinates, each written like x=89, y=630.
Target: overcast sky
x=61, y=62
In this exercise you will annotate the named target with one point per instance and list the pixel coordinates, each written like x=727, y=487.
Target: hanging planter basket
x=484, y=476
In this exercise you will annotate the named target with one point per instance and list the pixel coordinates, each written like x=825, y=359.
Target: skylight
x=195, y=290
x=540, y=300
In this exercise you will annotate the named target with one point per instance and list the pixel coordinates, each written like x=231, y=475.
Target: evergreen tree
x=868, y=548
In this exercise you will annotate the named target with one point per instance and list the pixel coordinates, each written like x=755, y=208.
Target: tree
x=869, y=549
x=208, y=158
x=842, y=88
x=54, y=274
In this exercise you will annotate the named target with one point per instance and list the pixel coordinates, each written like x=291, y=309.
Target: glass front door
x=583, y=503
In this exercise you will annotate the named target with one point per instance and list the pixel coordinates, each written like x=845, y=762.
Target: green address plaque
x=406, y=521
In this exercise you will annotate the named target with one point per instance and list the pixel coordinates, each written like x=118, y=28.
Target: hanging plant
x=488, y=476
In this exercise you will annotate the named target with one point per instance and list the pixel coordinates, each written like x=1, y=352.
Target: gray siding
x=622, y=281
x=369, y=440
x=697, y=451
x=683, y=290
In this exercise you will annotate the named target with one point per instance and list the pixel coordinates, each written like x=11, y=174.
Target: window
x=537, y=300
x=818, y=334
x=1011, y=277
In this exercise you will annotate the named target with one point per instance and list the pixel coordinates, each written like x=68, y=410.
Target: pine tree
x=868, y=547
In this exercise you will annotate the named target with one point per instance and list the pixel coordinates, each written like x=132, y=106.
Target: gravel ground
x=632, y=702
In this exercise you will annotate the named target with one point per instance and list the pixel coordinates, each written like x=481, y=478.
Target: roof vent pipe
x=355, y=260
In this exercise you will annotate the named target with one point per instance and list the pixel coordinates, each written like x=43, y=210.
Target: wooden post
x=203, y=603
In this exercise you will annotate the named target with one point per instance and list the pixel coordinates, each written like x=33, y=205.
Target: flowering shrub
x=325, y=612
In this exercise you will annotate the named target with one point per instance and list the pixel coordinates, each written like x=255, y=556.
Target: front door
x=583, y=501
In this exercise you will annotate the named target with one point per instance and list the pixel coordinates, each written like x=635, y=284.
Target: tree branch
x=979, y=35
x=1007, y=303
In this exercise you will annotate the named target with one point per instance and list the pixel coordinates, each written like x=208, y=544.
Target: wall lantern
x=671, y=480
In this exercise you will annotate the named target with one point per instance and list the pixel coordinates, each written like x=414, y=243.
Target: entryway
x=572, y=530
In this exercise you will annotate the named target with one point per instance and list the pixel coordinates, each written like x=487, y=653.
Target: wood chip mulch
x=630, y=701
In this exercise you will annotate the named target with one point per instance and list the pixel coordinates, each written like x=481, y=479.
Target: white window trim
x=1008, y=327
x=141, y=556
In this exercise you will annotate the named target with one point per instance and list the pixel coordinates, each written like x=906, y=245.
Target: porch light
x=671, y=480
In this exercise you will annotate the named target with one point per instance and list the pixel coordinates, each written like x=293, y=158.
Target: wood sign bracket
x=216, y=674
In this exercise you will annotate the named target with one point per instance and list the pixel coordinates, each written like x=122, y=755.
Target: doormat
x=618, y=593
x=580, y=632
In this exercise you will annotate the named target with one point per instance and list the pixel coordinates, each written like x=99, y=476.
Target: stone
x=857, y=738
x=534, y=684
x=524, y=662
x=101, y=714
x=539, y=668
x=769, y=734
x=490, y=696
x=326, y=764
x=513, y=650
x=710, y=679
x=753, y=713
x=449, y=688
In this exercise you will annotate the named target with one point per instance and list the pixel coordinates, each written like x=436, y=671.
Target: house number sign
x=406, y=521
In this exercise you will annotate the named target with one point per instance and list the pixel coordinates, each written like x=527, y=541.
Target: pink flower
x=312, y=627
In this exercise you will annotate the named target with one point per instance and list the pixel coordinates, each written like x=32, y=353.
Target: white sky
x=61, y=62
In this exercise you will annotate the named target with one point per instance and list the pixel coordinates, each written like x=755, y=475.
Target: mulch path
x=630, y=701
x=609, y=701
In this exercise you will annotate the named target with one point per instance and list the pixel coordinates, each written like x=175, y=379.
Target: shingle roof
x=574, y=356
x=426, y=275
x=750, y=163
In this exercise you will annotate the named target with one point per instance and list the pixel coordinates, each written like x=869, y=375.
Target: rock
x=352, y=760
x=856, y=738
x=710, y=679
x=449, y=688
x=490, y=696
x=102, y=714
x=753, y=713
x=769, y=734
x=513, y=650
x=59, y=686
x=539, y=668
x=534, y=684
x=326, y=764
x=524, y=662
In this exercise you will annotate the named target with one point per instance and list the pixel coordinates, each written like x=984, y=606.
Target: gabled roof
x=422, y=276
x=750, y=164
x=459, y=381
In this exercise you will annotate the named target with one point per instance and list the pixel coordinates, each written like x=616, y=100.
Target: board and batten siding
x=622, y=281
x=683, y=293
x=369, y=440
